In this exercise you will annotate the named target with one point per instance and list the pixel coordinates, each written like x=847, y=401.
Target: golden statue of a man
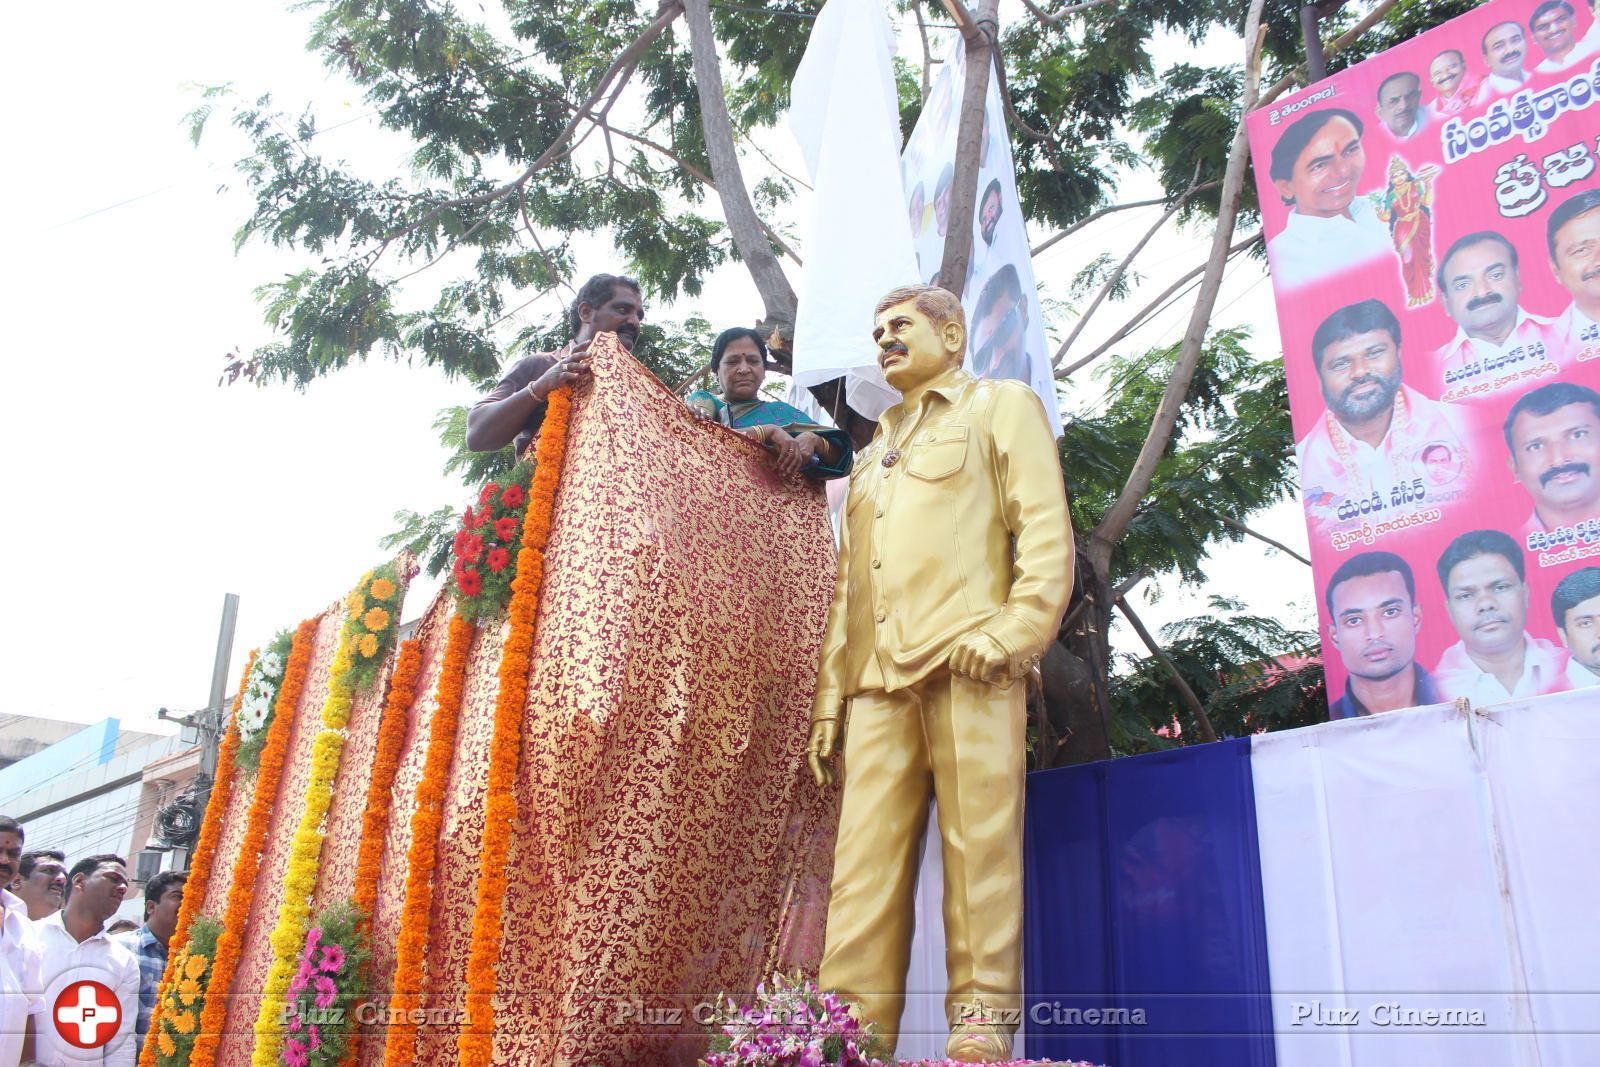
x=955, y=566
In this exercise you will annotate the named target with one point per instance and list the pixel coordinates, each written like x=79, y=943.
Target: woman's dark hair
x=727, y=337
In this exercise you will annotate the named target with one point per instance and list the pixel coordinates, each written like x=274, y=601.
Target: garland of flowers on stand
x=426, y=819
x=476, y=1043
x=324, y=989
x=242, y=892
x=181, y=1003
x=258, y=696
x=194, y=895
x=367, y=630
x=375, y=819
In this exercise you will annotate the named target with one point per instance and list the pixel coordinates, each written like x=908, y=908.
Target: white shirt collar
x=57, y=922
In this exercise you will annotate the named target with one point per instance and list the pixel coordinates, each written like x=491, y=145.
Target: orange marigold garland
x=242, y=892
x=386, y=764
x=476, y=1043
x=205, y=850
x=426, y=820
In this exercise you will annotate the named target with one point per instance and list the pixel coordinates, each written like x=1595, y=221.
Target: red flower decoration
x=470, y=582
x=506, y=529
x=460, y=541
x=488, y=491
x=498, y=559
x=513, y=497
x=472, y=521
x=472, y=548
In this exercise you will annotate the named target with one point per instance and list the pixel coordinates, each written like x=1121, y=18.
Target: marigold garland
x=176, y=1015
x=242, y=892
x=305, y=855
x=476, y=1043
x=426, y=820
x=205, y=850
x=386, y=764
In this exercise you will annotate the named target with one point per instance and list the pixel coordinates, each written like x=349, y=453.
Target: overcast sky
x=140, y=491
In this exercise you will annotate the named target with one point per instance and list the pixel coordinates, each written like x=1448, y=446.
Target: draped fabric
x=670, y=843
x=1435, y=860
x=1143, y=894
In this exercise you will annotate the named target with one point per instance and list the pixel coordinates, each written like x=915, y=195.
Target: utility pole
x=179, y=821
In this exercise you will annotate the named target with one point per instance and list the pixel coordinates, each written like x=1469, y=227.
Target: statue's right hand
x=820, y=747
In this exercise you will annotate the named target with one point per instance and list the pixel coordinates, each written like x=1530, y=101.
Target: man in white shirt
x=1575, y=606
x=1573, y=233
x=1486, y=596
x=1376, y=433
x=1317, y=167
x=1400, y=105
x=1479, y=285
x=1504, y=48
x=1553, y=436
x=78, y=950
x=1552, y=28
x=21, y=958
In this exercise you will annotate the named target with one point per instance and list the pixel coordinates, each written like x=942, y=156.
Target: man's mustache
x=1565, y=468
x=893, y=349
x=1362, y=383
x=1484, y=301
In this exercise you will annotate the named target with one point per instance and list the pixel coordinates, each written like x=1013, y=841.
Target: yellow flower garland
x=305, y=856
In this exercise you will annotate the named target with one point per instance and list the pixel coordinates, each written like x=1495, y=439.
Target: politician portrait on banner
x=1432, y=218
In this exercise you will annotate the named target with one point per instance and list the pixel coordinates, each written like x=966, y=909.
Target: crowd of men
x=54, y=935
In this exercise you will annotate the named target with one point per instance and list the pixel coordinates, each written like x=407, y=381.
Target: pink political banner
x=1433, y=230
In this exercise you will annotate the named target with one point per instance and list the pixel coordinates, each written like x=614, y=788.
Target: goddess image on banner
x=1433, y=228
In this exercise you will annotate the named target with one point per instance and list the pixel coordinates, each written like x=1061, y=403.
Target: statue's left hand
x=979, y=657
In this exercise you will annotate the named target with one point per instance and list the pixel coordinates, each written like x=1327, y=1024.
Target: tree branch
x=969, y=137
x=1242, y=528
x=1102, y=213
x=1054, y=19
x=1116, y=275
x=1343, y=41
x=1149, y=309
x=743, y=225
x=1178, y=683
x=665, y=16
x=1102, y=542
x=927, y=56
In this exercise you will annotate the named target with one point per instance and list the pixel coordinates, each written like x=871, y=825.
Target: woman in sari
x=739, y=360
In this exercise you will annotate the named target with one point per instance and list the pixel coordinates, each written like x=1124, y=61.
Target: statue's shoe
x=978, y=1043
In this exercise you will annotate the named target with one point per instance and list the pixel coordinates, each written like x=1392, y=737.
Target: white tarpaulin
x=844, y=113
x=1428, y=878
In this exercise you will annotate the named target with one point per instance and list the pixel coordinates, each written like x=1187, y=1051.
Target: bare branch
x=1148, y=310
x=1116, y=275
x=1242, y=528
x=743, y=225
x=1054, y=19
x=1207, y=733
x=1102, y=542
x=963, y=19
x=1102, y=213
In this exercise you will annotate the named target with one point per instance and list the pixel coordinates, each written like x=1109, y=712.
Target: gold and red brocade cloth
x=671, y=844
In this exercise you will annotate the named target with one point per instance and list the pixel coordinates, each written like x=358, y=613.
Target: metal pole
x=211, y=724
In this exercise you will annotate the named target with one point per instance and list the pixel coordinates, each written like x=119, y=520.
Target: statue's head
x=921, y=333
